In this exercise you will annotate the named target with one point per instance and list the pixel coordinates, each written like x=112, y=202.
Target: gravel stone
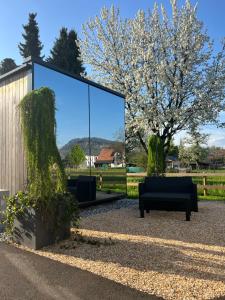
x=4, y=237
x=161, y=254
x=118, y=204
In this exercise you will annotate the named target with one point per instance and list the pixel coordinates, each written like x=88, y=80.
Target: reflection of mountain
x=96, y=145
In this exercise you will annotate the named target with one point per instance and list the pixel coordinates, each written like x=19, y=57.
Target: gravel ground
x=94, y=210
x=161, y=254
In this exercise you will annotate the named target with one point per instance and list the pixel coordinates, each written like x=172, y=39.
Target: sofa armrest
x=195, y=196
x=195, y=190
x=72, y=182
x=141, y=188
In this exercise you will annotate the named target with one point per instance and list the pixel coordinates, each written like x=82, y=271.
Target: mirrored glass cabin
x=90, y=130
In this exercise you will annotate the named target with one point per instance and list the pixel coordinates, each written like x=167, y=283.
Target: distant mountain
x=96, y=145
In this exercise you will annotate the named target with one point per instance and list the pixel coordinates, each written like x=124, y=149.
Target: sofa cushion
x=169, y=184
x=165, y=196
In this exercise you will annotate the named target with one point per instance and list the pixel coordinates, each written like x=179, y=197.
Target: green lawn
x=209, y=171
x=211, y=194
x=115, y=180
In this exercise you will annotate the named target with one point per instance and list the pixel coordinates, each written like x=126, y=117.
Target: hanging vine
x=46, y=174
x=46, y=182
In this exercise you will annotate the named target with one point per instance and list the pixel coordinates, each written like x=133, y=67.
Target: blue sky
x=72, y=115
x=52, y=15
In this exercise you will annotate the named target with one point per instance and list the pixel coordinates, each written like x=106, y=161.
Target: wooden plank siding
x=12, y=159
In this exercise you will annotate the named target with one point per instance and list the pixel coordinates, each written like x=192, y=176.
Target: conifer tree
x=7, y=65
x=156, y=159
x=65, y=53
x=32, y=45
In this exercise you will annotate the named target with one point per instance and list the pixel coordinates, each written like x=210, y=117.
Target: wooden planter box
x=35, y=231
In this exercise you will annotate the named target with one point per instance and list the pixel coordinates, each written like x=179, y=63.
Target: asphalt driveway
x=24, y=275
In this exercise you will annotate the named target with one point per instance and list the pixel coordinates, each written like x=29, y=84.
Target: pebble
x=4, y=237
x=103, y=208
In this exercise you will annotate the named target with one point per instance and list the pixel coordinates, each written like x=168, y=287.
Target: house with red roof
x=108, y=157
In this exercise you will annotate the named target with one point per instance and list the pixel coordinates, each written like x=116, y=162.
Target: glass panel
x=72, y=118
x=103, y=153
x=107, y=141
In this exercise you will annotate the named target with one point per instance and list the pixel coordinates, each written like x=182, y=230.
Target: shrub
x=156, y=159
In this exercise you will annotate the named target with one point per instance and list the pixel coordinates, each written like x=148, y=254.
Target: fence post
x=100, y=181
x=204, y=184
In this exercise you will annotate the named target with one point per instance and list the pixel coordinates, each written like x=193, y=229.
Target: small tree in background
x=138, y=158
x=32, y=46
x=194, y=152
x=76, y=156
x=173, y=149
x=65, y=53
x=184, y=154
x=7, y=65
x=156, y=160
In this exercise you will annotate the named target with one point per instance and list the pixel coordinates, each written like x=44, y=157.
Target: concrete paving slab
x=26, y=276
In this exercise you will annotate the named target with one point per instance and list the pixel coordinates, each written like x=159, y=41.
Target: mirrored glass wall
x=90, y=129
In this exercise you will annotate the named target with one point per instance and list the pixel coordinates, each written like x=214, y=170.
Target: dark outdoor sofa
x=84, y=188
x=168, y=193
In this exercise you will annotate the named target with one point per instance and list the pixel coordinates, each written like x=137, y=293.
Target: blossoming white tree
x=164, y=66
x=191, y=148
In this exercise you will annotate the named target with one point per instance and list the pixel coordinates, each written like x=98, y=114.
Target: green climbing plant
x=46, y=175
x=156, y=159
x=46, y=180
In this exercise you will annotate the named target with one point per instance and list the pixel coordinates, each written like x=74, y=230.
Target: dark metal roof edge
x=27, y=64
x=82, y=79
x=23, y=67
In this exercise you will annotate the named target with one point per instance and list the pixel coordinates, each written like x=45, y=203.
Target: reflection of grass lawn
x=112, y=179
x=115, y=180
x=96, y=171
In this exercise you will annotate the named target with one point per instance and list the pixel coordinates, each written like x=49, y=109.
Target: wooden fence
x=203, y=186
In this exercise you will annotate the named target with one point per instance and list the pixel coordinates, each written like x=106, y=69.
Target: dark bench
x=84, y=188
x=168, y=193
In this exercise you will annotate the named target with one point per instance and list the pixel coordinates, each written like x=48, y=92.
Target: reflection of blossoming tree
x=119, y=146
x=76, y=156
x=164, y=66
x=119, y=135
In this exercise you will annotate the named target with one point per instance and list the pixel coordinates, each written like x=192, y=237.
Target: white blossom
x=163, y=65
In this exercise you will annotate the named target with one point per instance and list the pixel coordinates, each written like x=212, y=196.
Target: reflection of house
x=105, y=157
x=172, y=162
x=109, y=157
x=90, y=160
